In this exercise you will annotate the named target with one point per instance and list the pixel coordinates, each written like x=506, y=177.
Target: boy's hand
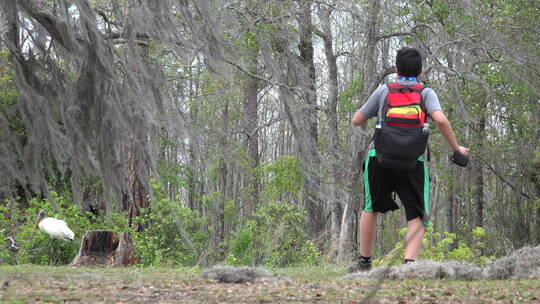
x=463, y=150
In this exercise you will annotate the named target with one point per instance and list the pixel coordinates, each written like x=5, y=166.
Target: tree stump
x=105, y=248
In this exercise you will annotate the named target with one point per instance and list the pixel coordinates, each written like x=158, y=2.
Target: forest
x=219, y=132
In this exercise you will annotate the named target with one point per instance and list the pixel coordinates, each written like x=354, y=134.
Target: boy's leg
x=368, y=230
x=376, y=197
x=413, y=239
x=413, y=190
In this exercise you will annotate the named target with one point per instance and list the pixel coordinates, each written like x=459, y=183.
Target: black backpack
x=401, y=134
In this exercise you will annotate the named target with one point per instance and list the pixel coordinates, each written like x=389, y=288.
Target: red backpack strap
x=397, y=87
x=419, y=88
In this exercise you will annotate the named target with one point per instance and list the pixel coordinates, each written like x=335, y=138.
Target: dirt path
x=69, y=285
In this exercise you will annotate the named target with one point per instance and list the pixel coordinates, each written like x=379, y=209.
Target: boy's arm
x=359, y=119
x=369, y=109
x=446, y=130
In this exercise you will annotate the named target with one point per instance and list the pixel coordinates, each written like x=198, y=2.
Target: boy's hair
x=409, y=62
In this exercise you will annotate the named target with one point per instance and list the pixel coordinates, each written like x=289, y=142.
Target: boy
x=411, y=185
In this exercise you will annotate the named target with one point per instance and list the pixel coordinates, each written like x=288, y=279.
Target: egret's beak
x=40, y=216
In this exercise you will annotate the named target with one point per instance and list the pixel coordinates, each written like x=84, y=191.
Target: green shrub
x=284, y=179
x=461, y=253
x=174, y=234
x=437, y=246
x=275, y=237
x=242, y=250
x=37, y=247
x=34, y=245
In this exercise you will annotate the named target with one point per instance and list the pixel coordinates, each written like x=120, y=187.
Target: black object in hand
x=460, y=159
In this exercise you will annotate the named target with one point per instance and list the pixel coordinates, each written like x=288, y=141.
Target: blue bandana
x=408, y=78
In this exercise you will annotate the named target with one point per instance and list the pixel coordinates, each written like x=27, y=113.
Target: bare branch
x=56, y=28
x=410, y=33
x=236, y=65
x=344, y=53
x=12, y=242
x=500, y=176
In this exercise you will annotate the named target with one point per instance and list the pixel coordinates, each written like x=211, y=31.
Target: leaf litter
x=35, y=284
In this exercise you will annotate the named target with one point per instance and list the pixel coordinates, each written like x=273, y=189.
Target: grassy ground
x=42, y=284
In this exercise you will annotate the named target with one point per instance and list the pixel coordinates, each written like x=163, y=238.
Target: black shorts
x=412, y=187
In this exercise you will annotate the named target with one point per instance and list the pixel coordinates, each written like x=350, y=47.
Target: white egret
x=54, y=227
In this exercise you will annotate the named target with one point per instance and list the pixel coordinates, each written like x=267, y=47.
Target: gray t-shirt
x=375, y=102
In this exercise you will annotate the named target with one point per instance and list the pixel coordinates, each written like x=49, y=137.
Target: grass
x=315, y=284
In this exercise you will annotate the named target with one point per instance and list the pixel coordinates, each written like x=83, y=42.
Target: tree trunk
x=478, y=171
x=315, y=221
x=9, y=30
x=192, y=178
x=251, y=144
x=360, y=141
x=194, y=183
x=535, y=168
x=536, y=181
x=345, y=244
x=218, y=209
x=105, y=248
x=450, y=201
x=520, y=224
x=92, y=200
x=338, y=219
x=134, y=194
x=370, y=58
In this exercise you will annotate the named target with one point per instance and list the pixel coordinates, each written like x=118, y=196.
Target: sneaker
x=359, y=266
x=408, y=261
